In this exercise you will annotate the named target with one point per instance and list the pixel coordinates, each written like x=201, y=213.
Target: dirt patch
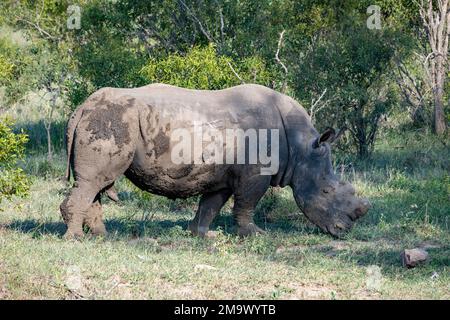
x=177, y=173
x=329, y=248
x=429, y=245
x=106, y=121
x=118, y=287
x=161, y=143
x=308, y=292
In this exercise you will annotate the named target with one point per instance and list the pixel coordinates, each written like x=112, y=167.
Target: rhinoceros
x=135, y=131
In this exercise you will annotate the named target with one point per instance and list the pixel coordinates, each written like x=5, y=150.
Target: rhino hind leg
x=209, y=206
x=94, y=218
x=76, y=208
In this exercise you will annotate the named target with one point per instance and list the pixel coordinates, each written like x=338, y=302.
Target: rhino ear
x=327, y=136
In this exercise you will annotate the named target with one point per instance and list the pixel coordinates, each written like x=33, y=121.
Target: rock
x=413, y=257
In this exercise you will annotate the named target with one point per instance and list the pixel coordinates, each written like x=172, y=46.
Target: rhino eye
x=327, y=189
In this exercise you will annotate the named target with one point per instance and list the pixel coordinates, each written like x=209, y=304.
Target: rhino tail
x=70, y=133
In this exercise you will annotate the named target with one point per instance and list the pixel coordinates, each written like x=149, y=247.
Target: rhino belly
x=177, y=181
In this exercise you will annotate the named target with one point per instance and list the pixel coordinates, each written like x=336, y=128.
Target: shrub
x=13, y=180
x=202, y=68
x=6, y=69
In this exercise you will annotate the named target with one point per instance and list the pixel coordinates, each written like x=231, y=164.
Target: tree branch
x=38, y=28
x=277, y=58
x=235, y=73
x=202, y=29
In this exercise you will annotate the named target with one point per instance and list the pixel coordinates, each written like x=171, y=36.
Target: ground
x=149, y=255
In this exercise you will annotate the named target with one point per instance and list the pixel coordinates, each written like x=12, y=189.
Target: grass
x=149, y=255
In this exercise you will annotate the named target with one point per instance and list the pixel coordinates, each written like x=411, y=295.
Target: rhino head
x=328, y=202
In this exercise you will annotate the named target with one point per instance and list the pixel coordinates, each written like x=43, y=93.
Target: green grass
x=148, y=253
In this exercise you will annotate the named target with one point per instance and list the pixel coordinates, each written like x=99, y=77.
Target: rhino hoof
x=250, y=230
x=99, y=232
x=70, y=235
x=199, y=231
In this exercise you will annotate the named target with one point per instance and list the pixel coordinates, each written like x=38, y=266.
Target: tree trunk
x=48, y=128
x=418, y=115
x=436, y=21
x=363, y=146
x=439, y=125
x=363, y=150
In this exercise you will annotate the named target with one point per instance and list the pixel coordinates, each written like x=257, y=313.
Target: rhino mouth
x=339, y=228
x=337, y=222
x=343, y=222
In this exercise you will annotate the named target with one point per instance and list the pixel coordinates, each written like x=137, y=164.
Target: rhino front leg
x=245, y=200
x=209, y=206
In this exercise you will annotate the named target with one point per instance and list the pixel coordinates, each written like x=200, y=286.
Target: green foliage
x=12, y=62
x=353, y=68
x=6, y=69
x=202, y=68
x=12, y=146
x=13, y=181
x=203, y=45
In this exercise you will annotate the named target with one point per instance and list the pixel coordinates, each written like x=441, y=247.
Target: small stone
x=412, y=257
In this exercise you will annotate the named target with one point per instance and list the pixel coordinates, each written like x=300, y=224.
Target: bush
x=6, y=69
x=202, y=68
x=13, y=180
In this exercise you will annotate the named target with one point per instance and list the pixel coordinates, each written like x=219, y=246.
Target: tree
x=437, y=26
x=349, y=70
x=45, y=62
x=414, y=88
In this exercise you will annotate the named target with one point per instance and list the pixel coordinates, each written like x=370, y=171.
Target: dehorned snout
x=362, y=209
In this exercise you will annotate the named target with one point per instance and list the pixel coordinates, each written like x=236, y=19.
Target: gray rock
x=412, y=257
